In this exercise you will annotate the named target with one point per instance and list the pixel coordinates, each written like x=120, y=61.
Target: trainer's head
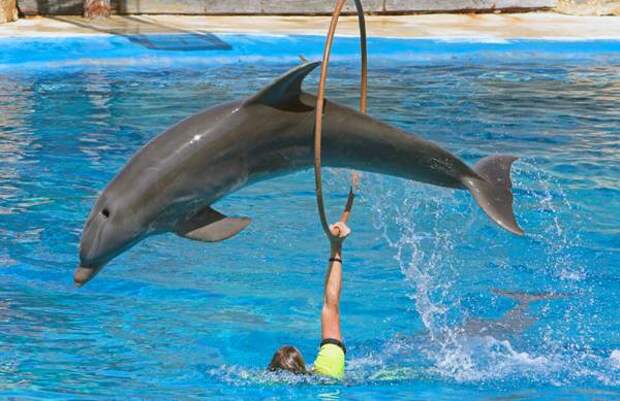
x=287, y=358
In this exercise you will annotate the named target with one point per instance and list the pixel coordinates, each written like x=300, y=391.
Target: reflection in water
x=15, y=140
x=174, y=319
x=94, y=142
x=329, y=396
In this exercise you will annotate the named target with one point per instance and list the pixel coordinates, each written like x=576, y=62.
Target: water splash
x=425, y=252
x=427, y=228
x=545, y=195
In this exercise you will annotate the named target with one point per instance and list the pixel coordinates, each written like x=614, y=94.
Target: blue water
x=423, y=312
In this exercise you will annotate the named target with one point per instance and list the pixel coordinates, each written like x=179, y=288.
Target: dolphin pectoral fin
x=218, y=231
x=209, y=225
x=285, y=89
x=492, y=189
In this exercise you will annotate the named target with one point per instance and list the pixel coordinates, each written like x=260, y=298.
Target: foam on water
x=614, y=358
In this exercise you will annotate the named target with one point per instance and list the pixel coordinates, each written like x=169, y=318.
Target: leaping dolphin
x=169, y=184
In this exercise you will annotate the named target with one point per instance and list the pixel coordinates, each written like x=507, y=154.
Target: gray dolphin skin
x=169, y=184
x=516, y=320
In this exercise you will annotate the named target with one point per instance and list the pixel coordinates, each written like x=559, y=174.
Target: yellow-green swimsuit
x=330, y=360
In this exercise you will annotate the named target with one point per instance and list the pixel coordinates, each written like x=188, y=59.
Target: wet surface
x=438, y=303
x=472, y=26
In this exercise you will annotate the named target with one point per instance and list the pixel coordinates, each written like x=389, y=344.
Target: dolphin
x=516, y=320
x=169, y=184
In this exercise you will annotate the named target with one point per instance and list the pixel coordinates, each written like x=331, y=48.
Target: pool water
x=434, y=303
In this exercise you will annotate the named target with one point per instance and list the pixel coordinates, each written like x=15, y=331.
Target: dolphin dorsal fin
x=285, y=88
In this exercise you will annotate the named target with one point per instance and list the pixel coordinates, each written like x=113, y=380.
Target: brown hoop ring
x=318, y=122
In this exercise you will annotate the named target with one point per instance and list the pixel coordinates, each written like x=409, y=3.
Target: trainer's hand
x=339, y=231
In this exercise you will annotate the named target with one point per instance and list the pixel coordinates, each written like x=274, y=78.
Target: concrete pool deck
x=544, y=25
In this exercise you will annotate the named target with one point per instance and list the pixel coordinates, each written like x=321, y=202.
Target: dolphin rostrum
x=169, y=185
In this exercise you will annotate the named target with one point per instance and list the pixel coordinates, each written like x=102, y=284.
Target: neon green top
x=329, y=362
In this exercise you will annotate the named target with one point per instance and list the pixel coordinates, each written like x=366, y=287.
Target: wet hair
x=288, y=358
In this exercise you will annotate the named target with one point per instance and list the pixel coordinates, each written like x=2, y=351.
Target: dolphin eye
x=105, y=213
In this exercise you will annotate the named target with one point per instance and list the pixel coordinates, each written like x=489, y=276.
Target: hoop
x=318, y=123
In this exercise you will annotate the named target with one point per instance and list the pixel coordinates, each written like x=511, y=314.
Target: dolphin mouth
x=83, y=274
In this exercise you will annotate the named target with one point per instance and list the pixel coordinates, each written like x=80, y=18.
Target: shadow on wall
x=150, y=34
x=146, y=33
x=181, y=41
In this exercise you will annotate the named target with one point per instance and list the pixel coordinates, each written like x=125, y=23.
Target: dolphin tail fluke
x=492, y=189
